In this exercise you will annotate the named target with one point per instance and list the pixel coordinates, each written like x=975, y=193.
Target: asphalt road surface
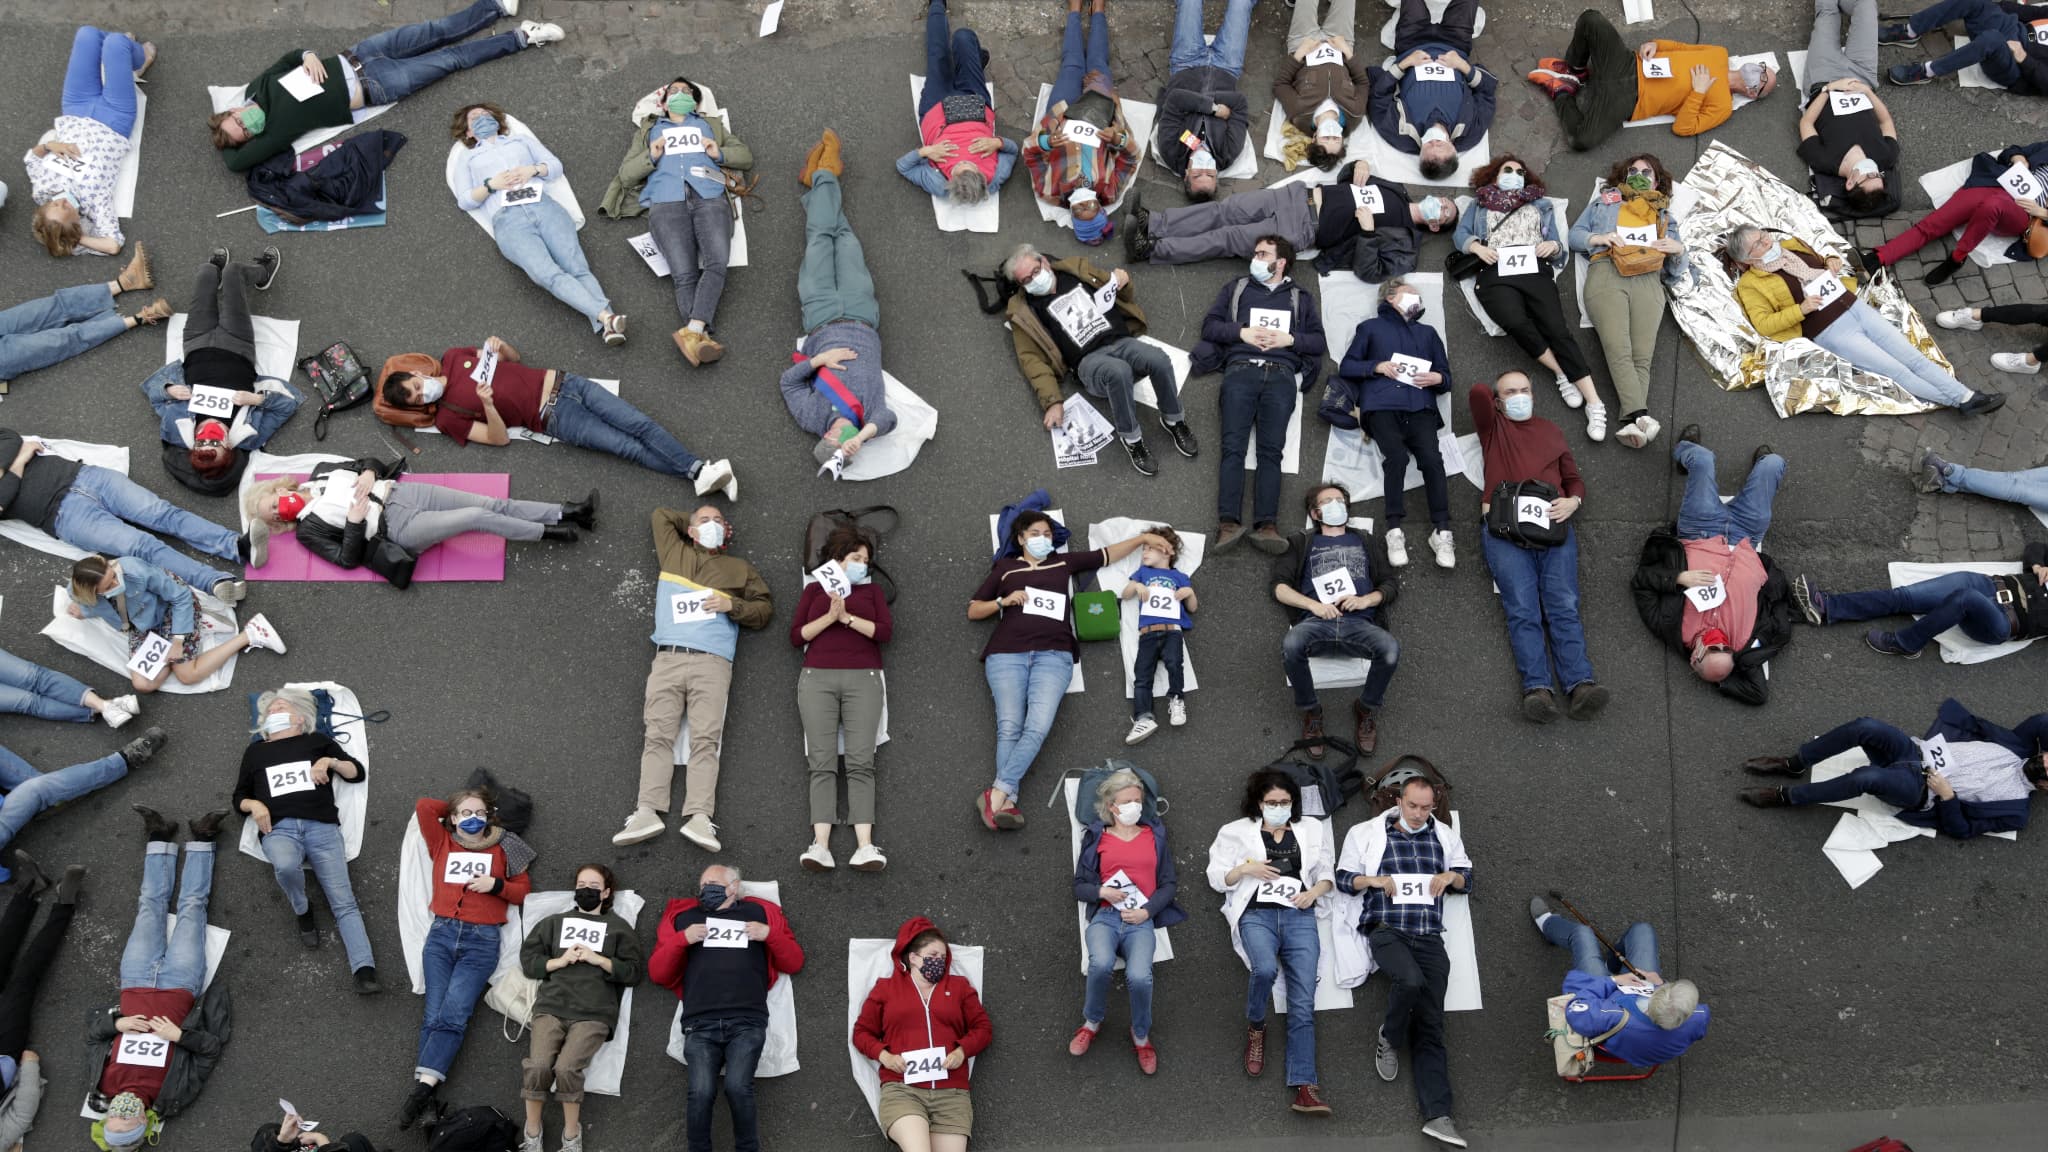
x=1900, y=1007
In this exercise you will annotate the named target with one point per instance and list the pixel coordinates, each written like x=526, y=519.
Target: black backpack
x=478, y=1128
x=1325, y=785
x=875, y=522
x=339, y=378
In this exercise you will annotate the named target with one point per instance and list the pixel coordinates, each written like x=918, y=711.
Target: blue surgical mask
x=1519, y=407
x=431, y=389
x=472, y=825
x=711, y=896
x=711, y=534
x=67, y=197
x=1509, y=181
x=856, y=571
x=1038, y=546
x=118, y=588
x=1260, y=270
x=278, y=722
x=484, y=127
x=1276, y=814
x=1432, y=211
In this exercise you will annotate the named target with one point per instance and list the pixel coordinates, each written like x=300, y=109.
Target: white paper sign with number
x=1082, y=132
x=1367, y=196
x=1161, y=601
x=1825, y=290
x=688, y=607
x=527, y=193
x=831, y=576
x=682, y=139
x=924, y=1066
x=1324, y=53
x=1044, y=602
x=150, y=656
x=1849, y=103
x=210, y=401
x=578, y=931
x=1122, y=880
x=144, y=1048
x=722, y=933
x=1279, y=890
x=1412, y=888
x=1407, y=368
x=486, y=365
x=1934, y=754
x=285, y=779
x=1657, y=68
x=1335, y=585
x=1708, y=596
x=1105, y=297
x=1434, y=71
x=2020, y=183
x=1638, y=237
x=1516, y=260
x=1272, y=320
x=1533, y=510
x=462, y=867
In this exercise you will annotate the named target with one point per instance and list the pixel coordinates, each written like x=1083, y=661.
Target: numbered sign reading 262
x=462, y=867
x=587, y=933
x=143, y=1048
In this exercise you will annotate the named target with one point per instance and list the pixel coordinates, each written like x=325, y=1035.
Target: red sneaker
x=1083, y=1037
x=1254, y=1050
x=1553, y=82
x=1148, y=1056
x=1009, y=818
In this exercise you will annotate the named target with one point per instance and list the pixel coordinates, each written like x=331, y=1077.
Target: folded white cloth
x=1957, y=648
x=277, y=344
x=867, y=960
x=1943, y=183
x=109, y=456
x=97, y=640
x=216, y=949
x=1162, y=943
x=416, y=882
x=1193, y=541
x=1351, y=458
x=1059, y=517
x=609, y=1065
x=1559, y=207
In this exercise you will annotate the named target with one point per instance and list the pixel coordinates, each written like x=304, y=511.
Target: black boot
x=1940, y=273
x=415, y=1103
x=309, y=932
x=366, y=980
x=206, y=827
x=138, y=751
x=1867, y=258
x=561, y=532
x=583, y=515
x=74, y=879
x=1765, y=797
x=155, y=827
x=29, y=874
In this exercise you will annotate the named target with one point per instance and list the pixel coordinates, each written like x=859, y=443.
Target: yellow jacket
x=1768, y=301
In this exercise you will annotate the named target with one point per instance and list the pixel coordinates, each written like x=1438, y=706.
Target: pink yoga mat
x=470, y=556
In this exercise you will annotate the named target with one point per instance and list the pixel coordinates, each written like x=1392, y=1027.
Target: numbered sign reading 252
x=143, y=1048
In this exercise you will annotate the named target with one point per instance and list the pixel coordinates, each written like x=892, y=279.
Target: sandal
x=1596, y=422
x=135, y=276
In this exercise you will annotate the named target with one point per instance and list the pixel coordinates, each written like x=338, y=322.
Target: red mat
x=470, y=556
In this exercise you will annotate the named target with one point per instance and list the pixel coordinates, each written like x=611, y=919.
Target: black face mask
x=589, y=898
x=712, y=896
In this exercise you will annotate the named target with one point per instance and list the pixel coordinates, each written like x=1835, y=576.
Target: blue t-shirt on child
x=1162, y=579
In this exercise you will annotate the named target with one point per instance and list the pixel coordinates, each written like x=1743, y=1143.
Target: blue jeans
x=1893, y=774
x=153, y=959
x=735, y=1047
x=53, y=329
x=1639, y=944
x=694, y=235
x=1868, y=341
x=401, y=61
x=29, y=791
x=1539, y=592
x=1153, y=649
x=1989, y=27
x=1959, y=598
x=2029, y=487
x=1027, y=687
x=1075, y=65
x=1226, y=53
x=99, y=79
x=949, y=70
x=29, y=689
x=1110, y=372
x=1348, y=635
x=541, y=239
x=105, y=512
x=294, y=841
x=1108, y=935
x=589, y=417
x=1255, y=399
x=1702, y=516
x=459, y=959
x=1274, y=938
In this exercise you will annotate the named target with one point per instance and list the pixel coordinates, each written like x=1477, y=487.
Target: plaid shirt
x=1408, y=853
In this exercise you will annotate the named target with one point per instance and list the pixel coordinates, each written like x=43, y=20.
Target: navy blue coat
x=1088, y=875
x=1358, y=384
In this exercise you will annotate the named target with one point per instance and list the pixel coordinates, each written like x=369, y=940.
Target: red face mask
x=211, y=430
x=289, y=506
x=1715, y=639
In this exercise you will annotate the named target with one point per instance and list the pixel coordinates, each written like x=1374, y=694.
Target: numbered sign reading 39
x=586, y=933
x=143, y=1048
x=462, y=867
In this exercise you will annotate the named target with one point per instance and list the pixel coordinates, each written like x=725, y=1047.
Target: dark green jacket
x=285, y=117
x=582, y=991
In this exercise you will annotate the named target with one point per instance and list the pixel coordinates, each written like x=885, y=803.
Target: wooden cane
x=1604, y=942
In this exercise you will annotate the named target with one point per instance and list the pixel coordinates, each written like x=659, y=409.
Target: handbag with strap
x=1518, y=512
x=1573, y=1052
x=875, y=521
x=340, y=379
x=1631, y=260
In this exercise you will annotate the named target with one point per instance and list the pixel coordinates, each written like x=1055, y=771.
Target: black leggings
x=219, y=317
x=1402, y=436
x=19, y=980
x=2018, y=314
x=1527, y=306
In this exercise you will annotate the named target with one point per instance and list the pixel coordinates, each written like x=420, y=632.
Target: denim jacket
x=1472, y=226
x=252, y=428
x=150, y=595
x=1600, y=217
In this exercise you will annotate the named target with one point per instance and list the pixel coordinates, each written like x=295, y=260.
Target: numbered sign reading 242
x=1279, y=890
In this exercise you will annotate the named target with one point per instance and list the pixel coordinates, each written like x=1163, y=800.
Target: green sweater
x=285, y=117
x=582, y=991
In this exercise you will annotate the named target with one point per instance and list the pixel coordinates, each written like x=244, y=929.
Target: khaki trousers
x=1626, y=311
x=558, y=1054
x=692, y=684
x=826, y=698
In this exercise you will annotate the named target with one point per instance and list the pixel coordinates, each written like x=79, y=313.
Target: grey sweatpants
x=1232, y=226
x=419, y=516
x=826, y=699
x=1340, y=21
x=1827, y=57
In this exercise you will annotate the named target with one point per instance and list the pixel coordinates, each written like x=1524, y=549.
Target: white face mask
x=1438, y=133
x=711, y=534
x=1038, y=546
x=1276, y=814
x=1773, y=254
x=431, y=389
x=1335, y=513
x=118, y=588
x=1408, y=305
x=1127, y=813
x=1040, y=283
x=1518, y=407
x=1261, y=270
x=1509, y=181
x=278, y=722
x=1865, y=167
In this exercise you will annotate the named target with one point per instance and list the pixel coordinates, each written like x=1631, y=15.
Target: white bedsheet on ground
x=351, y=797
x=1059, y=517
x=558, y=190
x=1560, y=206
x=1351, y=458
x=778, y=1050
x=1940, y=185
x=982, y=217
x=1103, y=533
x=1138, y=116
x=1868, y=824
x=867, y=960
x=1162, y=943
x=609, y=1065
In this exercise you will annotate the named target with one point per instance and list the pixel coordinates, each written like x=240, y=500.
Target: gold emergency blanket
x=1724, y=189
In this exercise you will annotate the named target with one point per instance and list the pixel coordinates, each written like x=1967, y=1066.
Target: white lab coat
x=1364, y=847
x=1240, y=840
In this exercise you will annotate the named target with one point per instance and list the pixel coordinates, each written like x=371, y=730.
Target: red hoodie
x=672, y=951
x=896, y=1018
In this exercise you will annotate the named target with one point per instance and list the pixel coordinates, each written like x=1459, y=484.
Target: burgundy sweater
x=839, y=646
x=1531, y=449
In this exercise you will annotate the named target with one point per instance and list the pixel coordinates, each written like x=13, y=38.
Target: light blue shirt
x=495, y=155
x=718, y=635
x=677, y=171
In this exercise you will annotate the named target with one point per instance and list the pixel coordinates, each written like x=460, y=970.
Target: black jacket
x=350, y=545
x=266, y=1140
x=348, y=182
x=1291, y=565
x=1661, y=604
x=207, y=1029
x=33, y=496
x=1374, y=257
x=1188, y=104
x=2031, y=592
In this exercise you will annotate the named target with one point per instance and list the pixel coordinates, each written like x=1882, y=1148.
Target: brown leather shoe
x=1773, y=766
x=135, y=277
x=1229, y=534
x=1539, y=705
x=1309, y=1099
x=1312, y=729
x=1584, y=700
x=1764, y=797
x=1268, y=539
x=698, y=347
x=155, y=310
x=1254, y=1050
x=823, y=157
x=1366, y=737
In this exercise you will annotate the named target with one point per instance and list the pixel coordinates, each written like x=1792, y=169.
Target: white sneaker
x=869, y=858
x=1176, y=711
x=717, y=474
x=1964, y=318
x=529, y=1141
x=699, y=830
x=1440, y=543
x=120, y=710
x=2014, y=362
x=231, y=591
x=538, y=33
x=1142, y=727
x=1397, y=548
x=1596, y=422
x=816, y=858
x=1649, y=425
x=1570, y=391
x=643, y=825
x=262, y=635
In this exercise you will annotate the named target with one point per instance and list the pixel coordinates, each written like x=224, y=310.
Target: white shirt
x=1982, y=772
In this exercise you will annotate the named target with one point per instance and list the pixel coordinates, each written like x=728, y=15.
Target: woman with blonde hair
x=140, y=600
x=75, y=169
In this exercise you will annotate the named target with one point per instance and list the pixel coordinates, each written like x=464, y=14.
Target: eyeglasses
x=466, y=813
x=1514, y=168
x=1638, y=171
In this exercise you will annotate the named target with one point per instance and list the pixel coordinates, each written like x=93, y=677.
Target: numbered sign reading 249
x=462, y=867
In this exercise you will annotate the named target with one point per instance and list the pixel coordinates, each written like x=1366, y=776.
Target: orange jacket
x=1696, y=112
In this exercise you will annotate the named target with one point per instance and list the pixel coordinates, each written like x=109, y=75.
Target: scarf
x=826, y=383
x=1790, y=262
x=1493, y=199
x=1652, y=199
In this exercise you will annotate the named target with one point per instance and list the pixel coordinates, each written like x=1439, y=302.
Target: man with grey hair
x=1620, y=998
x=1070, y=318
x=960, y=157
x=1365, y=223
